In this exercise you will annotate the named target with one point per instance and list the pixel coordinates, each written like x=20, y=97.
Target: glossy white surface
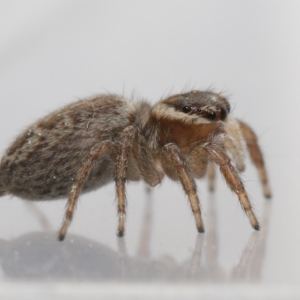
x=53, y=52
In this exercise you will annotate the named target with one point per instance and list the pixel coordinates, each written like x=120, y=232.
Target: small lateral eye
x=186, y=109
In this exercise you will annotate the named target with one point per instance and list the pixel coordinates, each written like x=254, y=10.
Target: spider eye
x=186, y=109
x=211, y=115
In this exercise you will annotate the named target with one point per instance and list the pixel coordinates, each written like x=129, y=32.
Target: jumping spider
x=91, y=142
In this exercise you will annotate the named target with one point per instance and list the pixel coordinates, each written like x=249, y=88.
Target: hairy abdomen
x=43, y=161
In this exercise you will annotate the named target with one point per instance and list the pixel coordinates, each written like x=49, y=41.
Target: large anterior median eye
x=186, y=109
x=210, y=115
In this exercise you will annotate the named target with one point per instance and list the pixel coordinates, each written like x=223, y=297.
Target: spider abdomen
x=43, y=161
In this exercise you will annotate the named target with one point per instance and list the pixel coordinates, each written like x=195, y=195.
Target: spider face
x=207, y=105
x=187, y=119
x=194, y=107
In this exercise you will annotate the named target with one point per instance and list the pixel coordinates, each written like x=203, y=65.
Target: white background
x=54, y=52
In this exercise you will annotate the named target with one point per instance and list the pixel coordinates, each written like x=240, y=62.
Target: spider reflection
x=38, y=256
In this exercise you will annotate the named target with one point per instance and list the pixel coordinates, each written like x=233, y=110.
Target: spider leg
x=256, y=156
x=233, y=142
x=145, y=161
x=96, y=152
x=173, y=154
x=236, y=152
x=233, y=180
x=211, y=174
x=126, y=142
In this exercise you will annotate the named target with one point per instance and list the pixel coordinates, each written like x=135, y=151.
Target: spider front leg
x=173, y=154
x=98, y=151
x=233, y=180
x=256, y=156
x=126, y=142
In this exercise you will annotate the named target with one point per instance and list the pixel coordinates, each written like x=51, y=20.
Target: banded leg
x=126, y=143
x=256, y=156
x=173, y=154
x=96, y=152
x=233, y=180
